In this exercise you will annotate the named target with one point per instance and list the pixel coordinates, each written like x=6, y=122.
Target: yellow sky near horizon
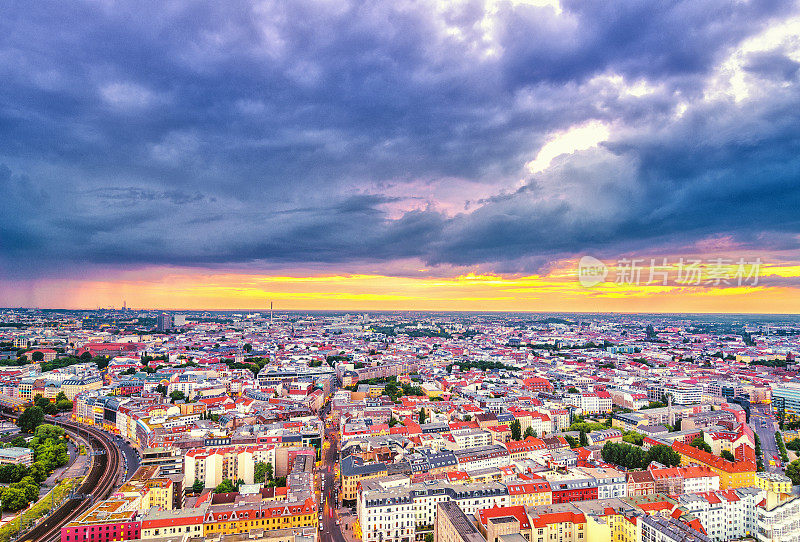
x=558, y=290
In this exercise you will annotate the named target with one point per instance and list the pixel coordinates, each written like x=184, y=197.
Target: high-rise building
x=786, y=400
x=164, y=322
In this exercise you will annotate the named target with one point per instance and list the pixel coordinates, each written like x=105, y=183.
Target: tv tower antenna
x=270, y=314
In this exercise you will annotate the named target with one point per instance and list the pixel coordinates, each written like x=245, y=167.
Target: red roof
x=518, y=512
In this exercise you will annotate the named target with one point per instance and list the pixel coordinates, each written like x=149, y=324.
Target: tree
x=727, y=456
x=37, y=356
x=162, y=389
x=701, y=444
x=794, y=445
x=781, y=446
x=793, y=471
x=19, y=442
x=529, y=432
x=10, y=474
x=661, y=453
x=226, y=486
x=422, y=415
x=583, y=439
x=677, y=425
x=14, y=499
x=64, y=406
x=573, y=389
x=86, y=356
x=632, y=437
x=30, y=419
x=48, y=432
x=198, y=486
x=516, y=430
x=572, y=441
x=260, y=472
x=248, y=347
x=177, y=395
x=46, y=406
x=428, y=537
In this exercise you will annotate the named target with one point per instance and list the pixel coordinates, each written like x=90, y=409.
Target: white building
x=779, y=523
x=725, y=515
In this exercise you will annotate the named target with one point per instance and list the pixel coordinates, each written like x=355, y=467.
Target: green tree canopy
x=727, y=455
x=261, y=470
x=516, y=430
x=226, y=486
x=701, y=444
x=793, y=471
x=30, y=419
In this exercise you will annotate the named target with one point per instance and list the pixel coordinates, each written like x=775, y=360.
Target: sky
x=459, y=155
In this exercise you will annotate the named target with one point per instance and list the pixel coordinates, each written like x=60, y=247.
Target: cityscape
x=133, y=424
x=400, y=271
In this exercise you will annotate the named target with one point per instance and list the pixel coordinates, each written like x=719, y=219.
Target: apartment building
x=453, y=525
x=529, y=492
x=611, y=483
x=732, y=474
x=777, y=522
x=387, y=515
x=353, y=471
x=725, y=515
x=214, y=464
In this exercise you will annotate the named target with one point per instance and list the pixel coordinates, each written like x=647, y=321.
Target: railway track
x=97, y=485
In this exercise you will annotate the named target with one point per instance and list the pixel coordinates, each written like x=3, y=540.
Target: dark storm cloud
x=247, y=133
x=772, y=65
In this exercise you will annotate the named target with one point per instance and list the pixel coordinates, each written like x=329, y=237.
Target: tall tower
x=270, y=314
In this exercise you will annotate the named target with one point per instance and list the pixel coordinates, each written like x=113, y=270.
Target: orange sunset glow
x=557, y=290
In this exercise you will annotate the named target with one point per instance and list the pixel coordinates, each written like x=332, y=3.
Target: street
x=132, y=458
x=330, y=530
x=764, y=425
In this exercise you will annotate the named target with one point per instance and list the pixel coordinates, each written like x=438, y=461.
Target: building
x=16, y=456
x=212, y=465
x=725, y=515
x=610, y=482
x=453, y=525
x=660, y=529
x=387, y=515
x=740, y=473
x=778, y=522
x=786, y=400
x=529, y=492
x=530, y=448
x=774, y=482
x=353, y=471
x=571, y=486
x=112, y=519
x=159, y=523
x=640, y=482
x=243, y=517
x=164, y=322
x=74, y=386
